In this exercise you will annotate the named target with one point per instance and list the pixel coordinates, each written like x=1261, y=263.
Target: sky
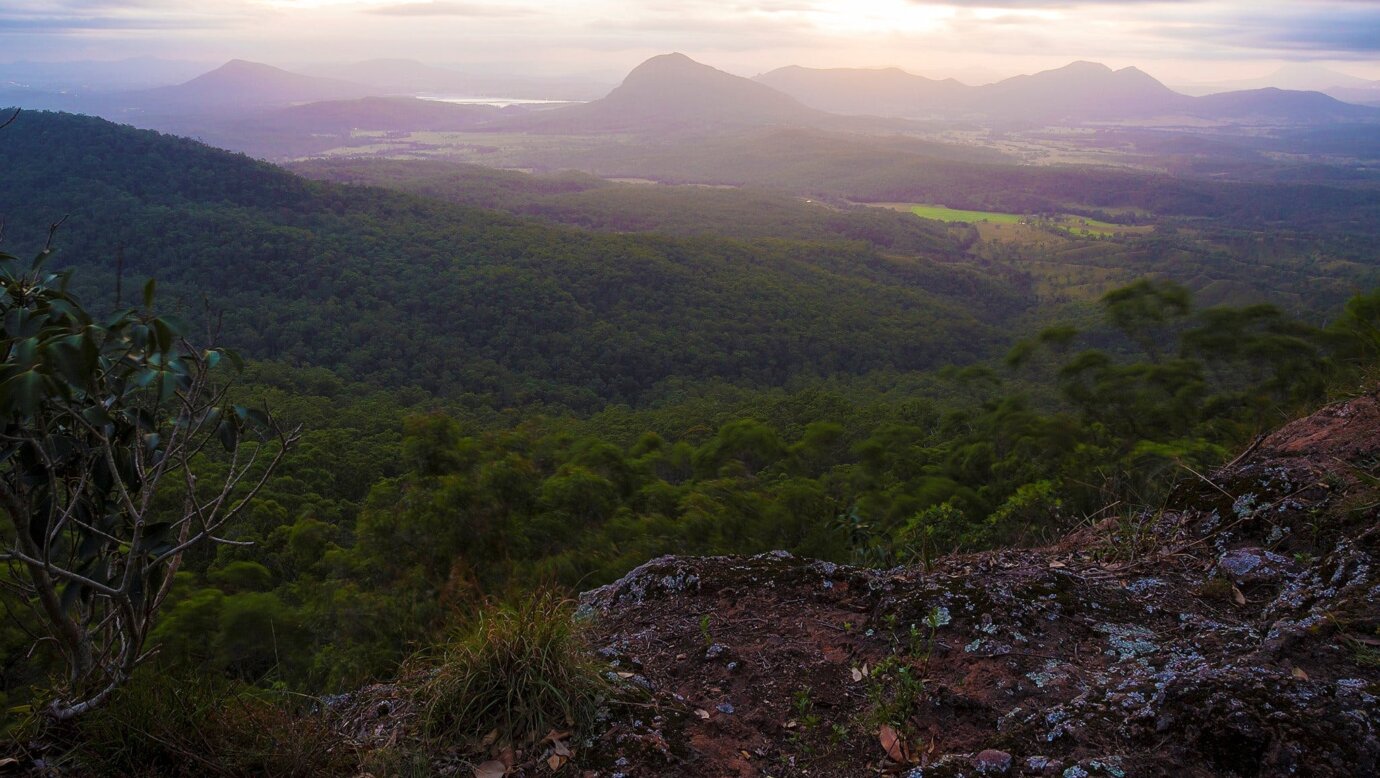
x=1179, y=41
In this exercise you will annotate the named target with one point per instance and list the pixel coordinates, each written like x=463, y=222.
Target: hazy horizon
x=1178, y=41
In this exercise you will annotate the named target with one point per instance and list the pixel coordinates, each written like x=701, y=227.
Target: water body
x=498, y=102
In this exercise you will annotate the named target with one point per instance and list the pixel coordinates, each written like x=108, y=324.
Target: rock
x=992, y=762
x=1249, y=566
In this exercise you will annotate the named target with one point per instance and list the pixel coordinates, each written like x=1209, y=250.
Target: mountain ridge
x=1081, y=91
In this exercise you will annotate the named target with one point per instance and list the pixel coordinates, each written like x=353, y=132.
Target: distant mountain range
x=1079, y=92
x=674, y=93
x=1300, y=76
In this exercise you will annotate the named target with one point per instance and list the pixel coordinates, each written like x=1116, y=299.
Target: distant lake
x=498, y=102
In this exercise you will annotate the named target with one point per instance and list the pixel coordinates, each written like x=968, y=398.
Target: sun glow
x=872, y=17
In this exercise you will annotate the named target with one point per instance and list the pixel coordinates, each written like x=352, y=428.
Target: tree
x=104, y=430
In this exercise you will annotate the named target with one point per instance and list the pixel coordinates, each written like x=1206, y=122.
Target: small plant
x=522, y=670
x=804, y=709
x=1130, y=539
x=894, y=693
x=806, y=720
x=704, y=631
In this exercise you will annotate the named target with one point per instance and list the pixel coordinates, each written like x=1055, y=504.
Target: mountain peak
x=668, y=65
x=675, y=91
x=246, y=66
x=240, y=83
x=1085, y=66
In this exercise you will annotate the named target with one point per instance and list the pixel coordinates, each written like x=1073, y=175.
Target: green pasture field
x=940, y=213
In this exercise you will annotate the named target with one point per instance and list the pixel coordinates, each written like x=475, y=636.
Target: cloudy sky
x=1177, y=40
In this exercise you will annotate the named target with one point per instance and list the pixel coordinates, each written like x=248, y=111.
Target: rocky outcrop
x=1233, y=633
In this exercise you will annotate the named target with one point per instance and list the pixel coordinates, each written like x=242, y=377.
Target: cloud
x=444, y=8
x=1042, y=5
x=1347, y=29
x=72, y=16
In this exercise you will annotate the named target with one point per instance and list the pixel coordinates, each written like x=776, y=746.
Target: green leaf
x=150, y=287
x=23, y=393
x=229, y=434
x=235, y=359
x=163, y=336
x=68, y=361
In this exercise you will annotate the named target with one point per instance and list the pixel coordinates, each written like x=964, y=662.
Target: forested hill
x=399, y=290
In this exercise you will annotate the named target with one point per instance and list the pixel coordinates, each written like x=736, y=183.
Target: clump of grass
x=521, y=669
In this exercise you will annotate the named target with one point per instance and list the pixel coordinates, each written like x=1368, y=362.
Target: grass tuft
x=522, y=670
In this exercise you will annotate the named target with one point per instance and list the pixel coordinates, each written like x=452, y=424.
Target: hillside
x=1231, y=634
x=395, y=289
x=672, y=93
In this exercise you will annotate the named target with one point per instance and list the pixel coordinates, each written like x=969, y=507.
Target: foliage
x=522, y=670
x=97, y=415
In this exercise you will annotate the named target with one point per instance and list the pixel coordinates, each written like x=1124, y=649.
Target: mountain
x=672, y=92
x=1367, y=94
x=888, y=92
x=1294, y=76
x=1273, y=105
x=239, y=85
x=1080, y=91
x=1076, y=93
